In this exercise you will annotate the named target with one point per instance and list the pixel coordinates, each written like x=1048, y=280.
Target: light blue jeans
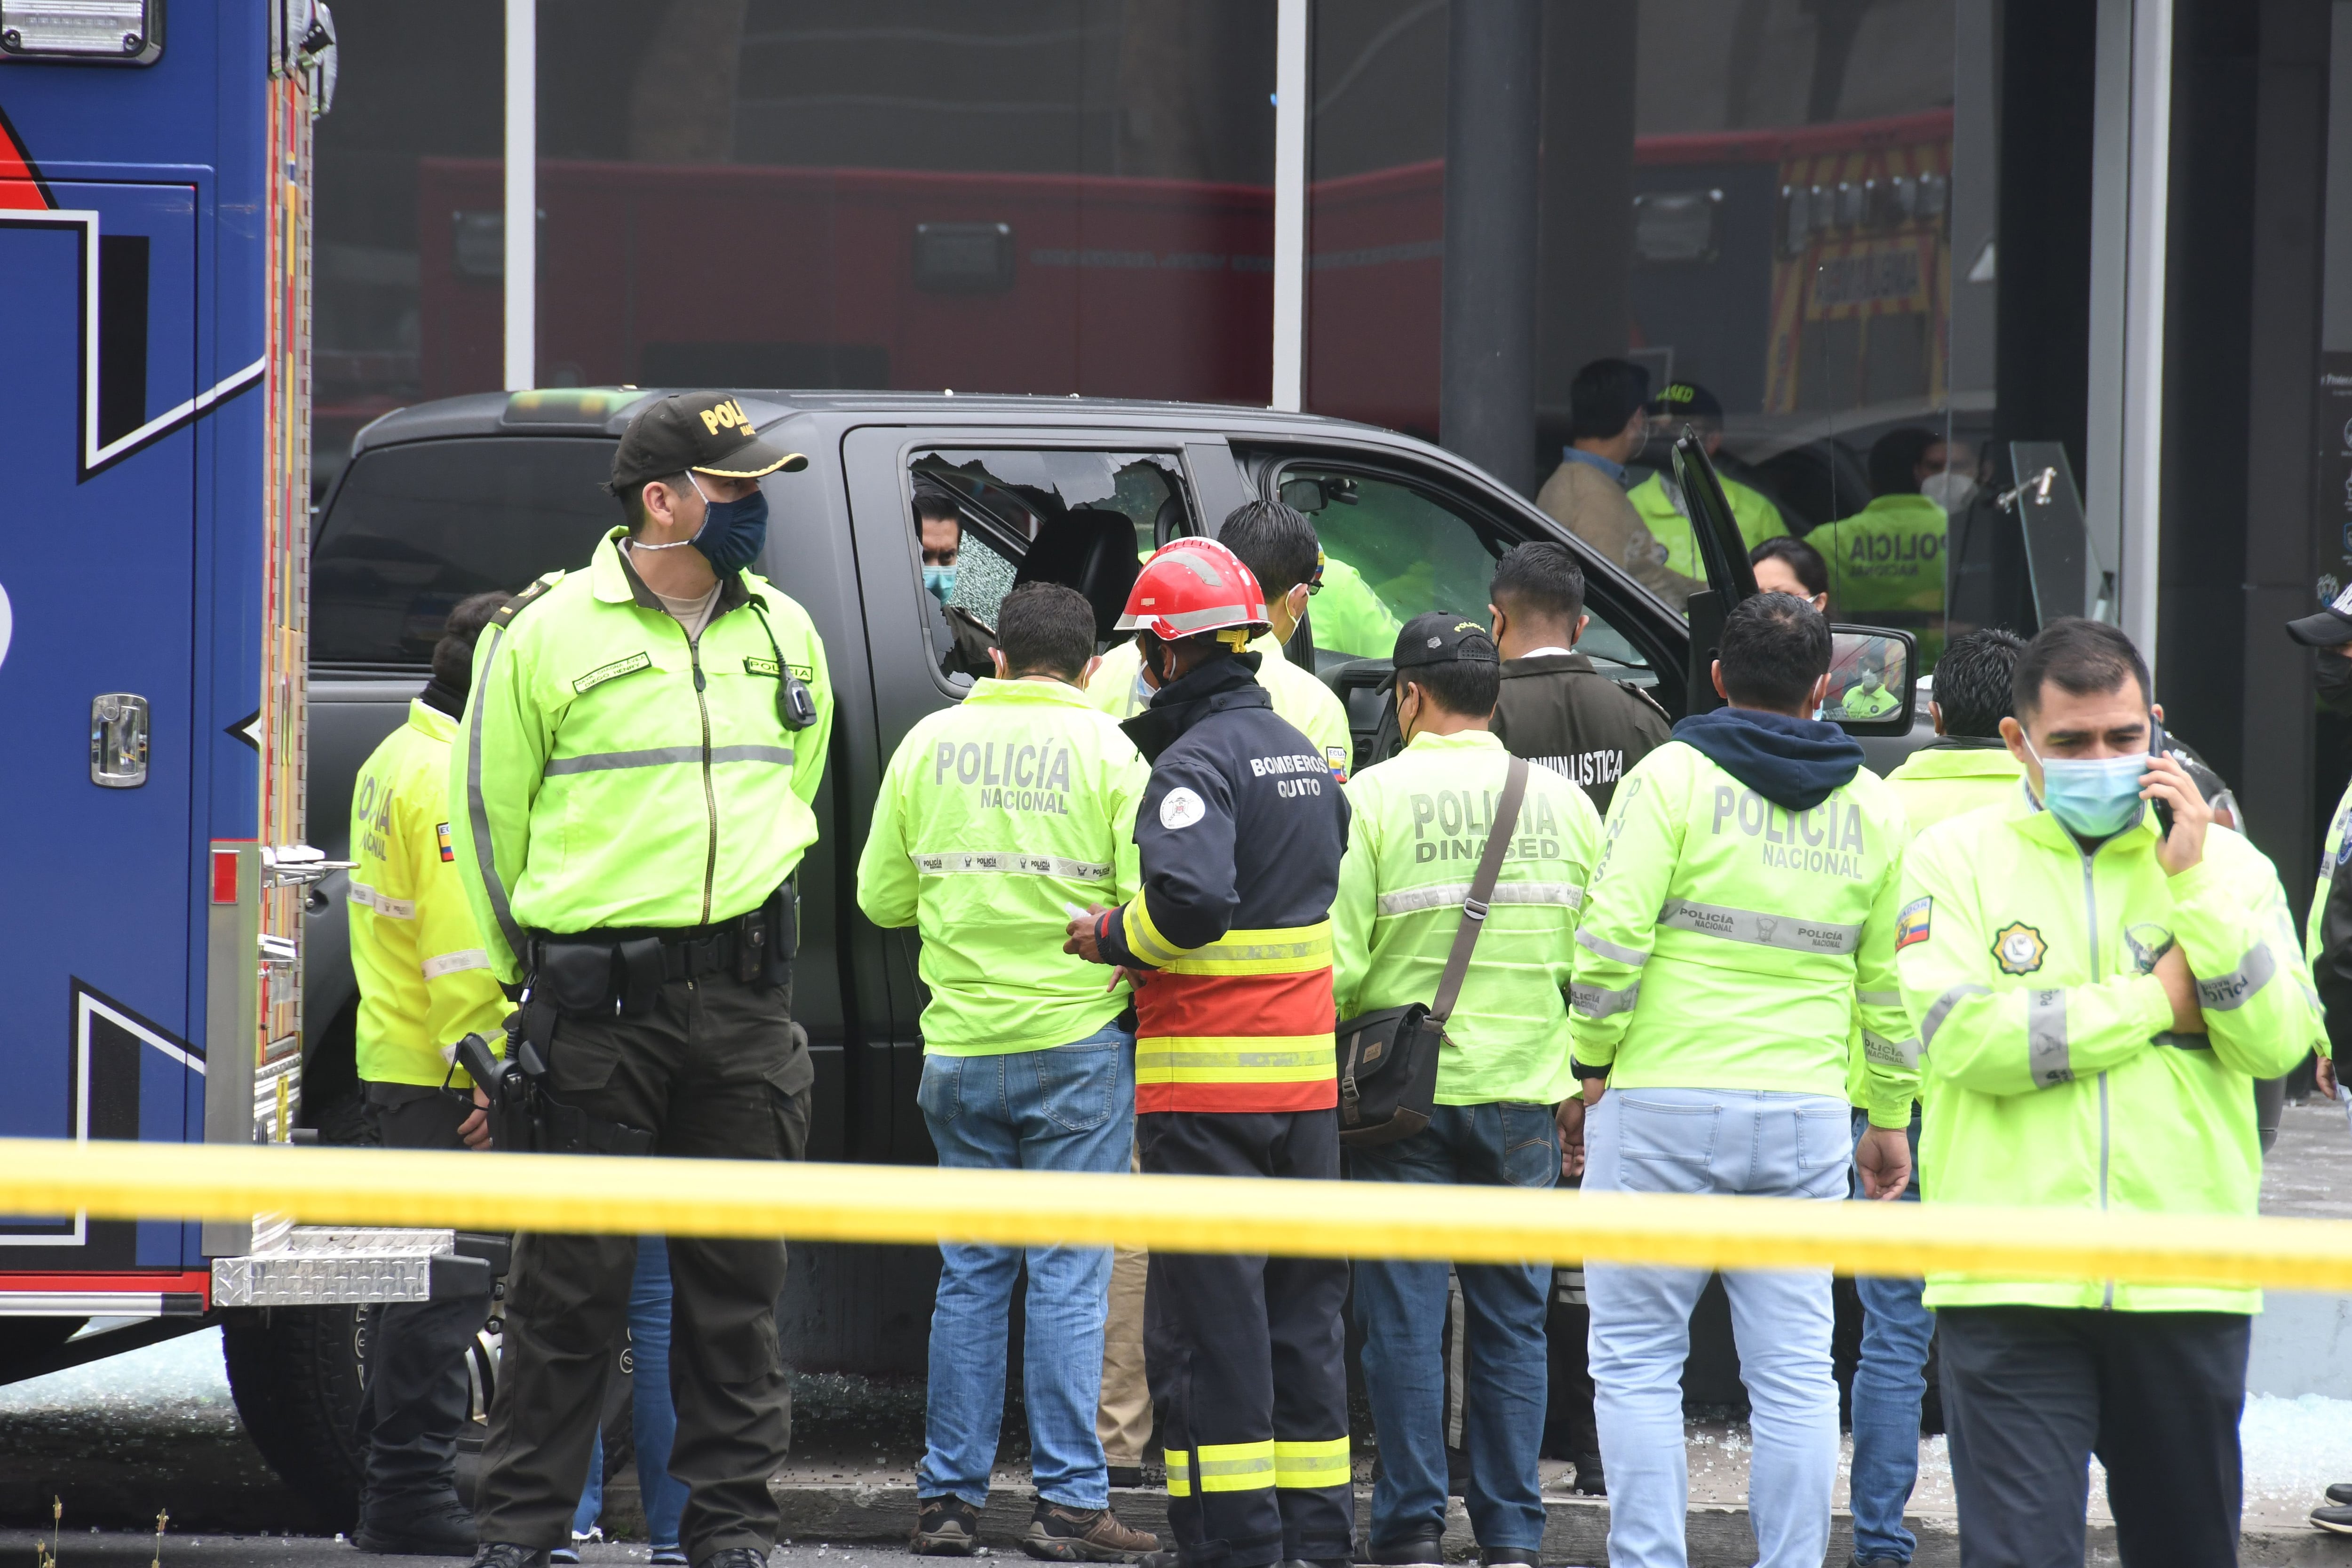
x=653, y=1418
x=1888, y=1384
x=1715, y=1141
x=1068, y=1108
x=1401, y=1306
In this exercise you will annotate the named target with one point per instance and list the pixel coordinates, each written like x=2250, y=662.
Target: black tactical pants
x=715, y=1070
x=2032, y=1393
x=1246, y=1358
x=415, y=1403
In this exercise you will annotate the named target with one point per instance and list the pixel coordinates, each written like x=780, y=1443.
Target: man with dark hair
x=1744, y=908
x=994, y=817
x=1682, y=405
x=941, y=528
x=1555, y=707
x=1608, y=423
x=1278, y=543
x=1870, y=698
x=678, y=701
x=425, y=984
x=2097, y=986
x=1239, y=837
x=1418, y=823
x=1964, y=768
x=1887, y=561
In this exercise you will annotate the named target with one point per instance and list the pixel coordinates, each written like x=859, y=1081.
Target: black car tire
x=295, y=1373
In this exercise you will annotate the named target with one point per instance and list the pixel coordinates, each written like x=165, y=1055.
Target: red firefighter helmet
x=1194, y=585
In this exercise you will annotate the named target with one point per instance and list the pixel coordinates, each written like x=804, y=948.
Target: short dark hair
x=1774, y=648
x=1803, y=558
x=1275, y=541
x=1045, y=628
x=1603, y=396
x=453, y=655
x=1972, y=681
x=1895, y=460
x=935, y=506
x=1539, y=580
x=632, y=497
x=2081, y=656
x=1468, y=687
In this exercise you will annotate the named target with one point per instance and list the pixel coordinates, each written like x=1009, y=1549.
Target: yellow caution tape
x=1173, y=1214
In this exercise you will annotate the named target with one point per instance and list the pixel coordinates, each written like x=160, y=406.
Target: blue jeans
x=1068, y=1108
x=652, y=1416
x=1401, y=1306
x=1888, y=1384
x=1715, y=1141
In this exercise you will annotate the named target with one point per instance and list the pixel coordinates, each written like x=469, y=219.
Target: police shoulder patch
x=1914, y=922
x=2019, y=948
x=516, y=605
x=613, y=671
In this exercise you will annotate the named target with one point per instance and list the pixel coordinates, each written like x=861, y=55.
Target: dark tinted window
x=414, y=529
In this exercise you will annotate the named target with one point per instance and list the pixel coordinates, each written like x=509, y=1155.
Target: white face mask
x=1949, y=489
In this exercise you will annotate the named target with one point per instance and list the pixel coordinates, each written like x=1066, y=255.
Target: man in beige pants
x=1123, y=1416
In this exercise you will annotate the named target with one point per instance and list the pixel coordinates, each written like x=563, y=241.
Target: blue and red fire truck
x=154, y=418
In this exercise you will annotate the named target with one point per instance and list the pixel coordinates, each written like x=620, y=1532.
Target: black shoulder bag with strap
x=1387, y=1059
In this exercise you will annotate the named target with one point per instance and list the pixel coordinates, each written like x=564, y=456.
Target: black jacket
x=1556, y=710
x=1255, y=840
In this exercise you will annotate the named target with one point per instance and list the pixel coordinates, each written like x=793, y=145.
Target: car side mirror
x=1874, y=680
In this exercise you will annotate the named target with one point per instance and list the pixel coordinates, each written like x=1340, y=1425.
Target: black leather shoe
x=1415, y=1549
x=735, y=1557
x=443, y=1527
x=1497, y=1556
x=507, y=1555
x=2340, y=1494
x=1124, y=1475
x=1589, y=1480
x=1876, y=1562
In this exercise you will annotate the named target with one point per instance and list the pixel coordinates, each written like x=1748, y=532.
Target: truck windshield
x=416, y=528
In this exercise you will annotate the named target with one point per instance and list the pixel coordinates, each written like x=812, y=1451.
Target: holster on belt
x=620, y=973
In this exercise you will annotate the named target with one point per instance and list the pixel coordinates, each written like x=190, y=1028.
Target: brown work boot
x=945, y=1527
x=1065, y=1534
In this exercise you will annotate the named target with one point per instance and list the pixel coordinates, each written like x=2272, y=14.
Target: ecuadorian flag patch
x=441, y=832
x=1913, y=922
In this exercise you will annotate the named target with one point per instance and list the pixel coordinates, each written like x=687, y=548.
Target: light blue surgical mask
x=939, y=582
x=2095, y=797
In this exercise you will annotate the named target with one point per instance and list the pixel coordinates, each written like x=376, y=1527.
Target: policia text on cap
x=633, y=778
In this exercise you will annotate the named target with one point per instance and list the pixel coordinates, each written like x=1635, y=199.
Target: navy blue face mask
x=733, y=532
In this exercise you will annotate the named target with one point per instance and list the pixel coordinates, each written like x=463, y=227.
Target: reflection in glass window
x=1028, y=195
x=1785, y=207
x=1085, y=518
x=418, y=527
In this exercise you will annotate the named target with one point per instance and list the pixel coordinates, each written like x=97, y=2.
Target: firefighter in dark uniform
x=1240, y=834
x=633, y=781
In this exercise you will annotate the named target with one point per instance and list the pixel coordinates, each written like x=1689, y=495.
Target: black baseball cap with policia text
x=705, y=431
x=2331, y=628
x=1440, y=638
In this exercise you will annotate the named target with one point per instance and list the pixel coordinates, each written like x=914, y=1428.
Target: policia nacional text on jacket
x=634, y=777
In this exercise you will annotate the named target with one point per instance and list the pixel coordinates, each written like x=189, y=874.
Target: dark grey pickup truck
x=472, y=494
